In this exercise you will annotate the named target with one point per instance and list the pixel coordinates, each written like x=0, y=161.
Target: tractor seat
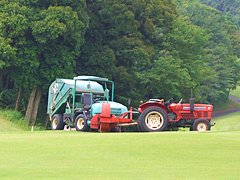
x=86, y=101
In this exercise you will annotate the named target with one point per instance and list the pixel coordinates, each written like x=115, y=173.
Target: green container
x=61, y=89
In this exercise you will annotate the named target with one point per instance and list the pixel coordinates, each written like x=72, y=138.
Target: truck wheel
x=81, y=123
x=153, y=119
x=201, y=125
x=57, y=122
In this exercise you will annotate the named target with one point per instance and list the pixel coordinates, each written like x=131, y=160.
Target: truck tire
x=201, y=125
x=153, y=119
x=57, y=122
x=81, y=123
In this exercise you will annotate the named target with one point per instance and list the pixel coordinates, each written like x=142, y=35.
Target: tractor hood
x=116, y=108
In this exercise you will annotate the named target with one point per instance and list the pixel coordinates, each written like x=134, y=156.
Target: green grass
x=16, y=120
x=230, y=122
x=236, y=92
x=7, y=126
x=164, y=155
x=76, y=155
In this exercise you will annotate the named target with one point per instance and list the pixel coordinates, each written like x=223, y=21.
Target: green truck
x=80, y=102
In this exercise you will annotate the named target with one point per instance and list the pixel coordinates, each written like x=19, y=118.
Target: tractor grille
x=116, y=111
x=187, y=116
x=205, y=114
x=202, y=114
x=199, y=114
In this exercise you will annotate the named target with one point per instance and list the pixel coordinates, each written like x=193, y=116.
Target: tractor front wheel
x=153, y=119
x=201, y=125
x=57, y=122
x=81, y=123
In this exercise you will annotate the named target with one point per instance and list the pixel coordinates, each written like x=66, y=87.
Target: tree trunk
x=46, y=121
x=227, y=94
x=18, y=98
x=30, y=105
x=1, y=80
x=36, y=104
x=7, y=82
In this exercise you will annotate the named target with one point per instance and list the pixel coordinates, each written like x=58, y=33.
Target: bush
x=7, y=98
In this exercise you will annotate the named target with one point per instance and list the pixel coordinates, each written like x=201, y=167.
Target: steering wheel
x=180, y=101
x=96, y=100
x=168, y=102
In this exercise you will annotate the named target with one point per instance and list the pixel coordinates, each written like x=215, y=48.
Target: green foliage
x=40, y=41
x=181, y=66
x=122, y=39
x=7, y=98
x=227, y=7
x=223, y=64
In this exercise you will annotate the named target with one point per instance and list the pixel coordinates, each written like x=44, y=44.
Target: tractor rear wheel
x=201, y=125
x=81, y=123
x=153, y=119
x=57, y=122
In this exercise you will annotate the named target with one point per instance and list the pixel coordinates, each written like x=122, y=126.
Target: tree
x=220, y=50
x=122, y=39
x=181, y=66
x=47, y=38
x=227, y=7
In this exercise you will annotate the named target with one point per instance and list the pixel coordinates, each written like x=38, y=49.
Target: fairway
x=71, y=154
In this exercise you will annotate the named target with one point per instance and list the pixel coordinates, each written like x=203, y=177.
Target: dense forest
x=150, y=49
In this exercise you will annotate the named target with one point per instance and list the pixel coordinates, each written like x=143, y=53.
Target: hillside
x=230, y=122
x=7, y=126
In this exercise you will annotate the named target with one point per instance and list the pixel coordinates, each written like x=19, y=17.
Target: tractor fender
x=146, y=105
x=80, y=112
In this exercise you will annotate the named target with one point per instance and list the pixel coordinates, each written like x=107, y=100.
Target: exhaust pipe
x=191, y=102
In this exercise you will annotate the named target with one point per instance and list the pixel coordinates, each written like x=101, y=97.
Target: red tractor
x=157, y=115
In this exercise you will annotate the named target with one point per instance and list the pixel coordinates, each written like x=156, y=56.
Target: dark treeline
x=150, y=49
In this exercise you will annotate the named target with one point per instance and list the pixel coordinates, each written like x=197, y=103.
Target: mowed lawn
x=75, y=155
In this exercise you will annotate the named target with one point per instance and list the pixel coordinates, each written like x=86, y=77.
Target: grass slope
x=75, y=155
x=229, y=122
x=7, y=126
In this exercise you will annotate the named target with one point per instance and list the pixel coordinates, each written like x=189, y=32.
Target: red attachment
x=95, y=121
x=107, y=121
x=106, y=110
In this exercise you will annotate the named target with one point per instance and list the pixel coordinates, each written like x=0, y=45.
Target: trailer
x=86, y=103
